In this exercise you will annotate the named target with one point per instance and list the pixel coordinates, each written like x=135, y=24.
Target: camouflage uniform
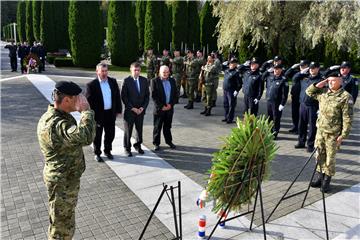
x=61, y=141
x=151, y=67
x=210, y=74
x=178, y=71
x=216, y=85
x=334, y=120
x=165, y=60
x=193, y=68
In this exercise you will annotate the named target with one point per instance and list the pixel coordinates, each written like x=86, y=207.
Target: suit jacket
x=158, y=94
x=95, y=98
x=131, y=96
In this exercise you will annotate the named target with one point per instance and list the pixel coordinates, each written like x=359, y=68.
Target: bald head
x=164, y=72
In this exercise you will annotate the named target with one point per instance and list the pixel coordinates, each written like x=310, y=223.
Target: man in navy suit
x=164, y=94
x=135, y=96
x=103, y=95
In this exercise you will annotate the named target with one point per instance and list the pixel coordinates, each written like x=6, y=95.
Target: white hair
x=162, y=68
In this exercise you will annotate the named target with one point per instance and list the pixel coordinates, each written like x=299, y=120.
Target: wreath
x=33, y=56
x=247, y=152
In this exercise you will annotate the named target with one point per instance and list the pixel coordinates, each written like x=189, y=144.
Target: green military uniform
x=218, y=71
x=61, y=141
x=334, y=120
x=165, y=60
x=193, y=68
x=178, y=71
x=210, y=75
x=151, y=67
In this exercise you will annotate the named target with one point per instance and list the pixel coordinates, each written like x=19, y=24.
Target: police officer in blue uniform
x=277, y=90
x=350, y=83
x=308, y=106
x=253, y=87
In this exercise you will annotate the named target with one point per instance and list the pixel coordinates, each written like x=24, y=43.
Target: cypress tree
x=29, y=22
x=36, y=10
x=140, y=22
x=48, y=26
x=152, y=29
x=166, y=25
x=193, y=37
x=179, y=26
x=207, y=27
x=122, y=33
x=61, y=17
x=21, y=20
x=84, y=32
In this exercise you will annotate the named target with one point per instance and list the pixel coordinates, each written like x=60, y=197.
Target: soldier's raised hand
x=82, y=103
x=322, y=83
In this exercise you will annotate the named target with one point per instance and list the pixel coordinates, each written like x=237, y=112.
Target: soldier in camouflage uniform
x=178, y=70
x=210, y=72
x=192, y=69
x=151, y=64
x=199, y=91
x=165, y=59
x=61, y=140
x=333, y=125
x=218, y=65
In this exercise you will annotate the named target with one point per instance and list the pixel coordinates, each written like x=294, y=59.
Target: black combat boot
x=316, y=180
x=203, y=112
x=325, y=186
x=208, y=112
x=190, y=105
x=187, y=105
x=213, y=104
x=300, y=145
x=198, y=98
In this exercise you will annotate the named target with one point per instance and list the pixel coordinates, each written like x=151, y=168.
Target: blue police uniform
x=232, y=82
x=252, y=89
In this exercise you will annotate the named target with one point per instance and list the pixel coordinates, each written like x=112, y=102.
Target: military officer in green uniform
x=333, y=125
x=61, y=140
x=151, y=64
x=192, y=69
x=200, y=62
x=218, y=65
x=178, y=70
x=165, y=59
x=210, y=73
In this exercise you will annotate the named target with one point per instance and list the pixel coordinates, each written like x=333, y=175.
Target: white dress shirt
x=106, y=93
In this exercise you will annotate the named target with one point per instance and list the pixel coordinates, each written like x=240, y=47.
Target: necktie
x=137, y=85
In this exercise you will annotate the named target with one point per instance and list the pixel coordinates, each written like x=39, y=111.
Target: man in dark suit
x=135, y=96
x=164, y=94
x=103, y=95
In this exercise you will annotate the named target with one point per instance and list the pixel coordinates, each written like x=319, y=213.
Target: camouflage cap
x=68, y=88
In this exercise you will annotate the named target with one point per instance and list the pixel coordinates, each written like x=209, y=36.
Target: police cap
x=332, y=74
x=68, y=88
x=345, y=64
x=314, y=65
x=304, y=62
x=278, y=66
x=233, y=60
x=255, y=60
x=277, y=58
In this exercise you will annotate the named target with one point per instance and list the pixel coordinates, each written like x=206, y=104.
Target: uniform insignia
x=277, y=83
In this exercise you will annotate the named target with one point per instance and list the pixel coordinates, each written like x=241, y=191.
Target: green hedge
x=63, y=62
x=50, y=57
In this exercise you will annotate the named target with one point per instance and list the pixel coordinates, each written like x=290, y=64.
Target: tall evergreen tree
x=36, y=10
x=207, y=27
x=84, y=28
x=29, y=22
x=62, y=23
x=140, y=22
x=122, y=35
x=152, y=30
x=48, y=26
x=193, y=36
x=21, y=20
x=166, y=25
x=179, y=26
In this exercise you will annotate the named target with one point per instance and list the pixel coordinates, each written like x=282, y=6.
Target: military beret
x=277, y=58
x=255, y=60
x=68, y=88
x=278, y=65
x=314, y=65
x=304, y=62
x=345, y=64
x=233, y=60
x=332, y=74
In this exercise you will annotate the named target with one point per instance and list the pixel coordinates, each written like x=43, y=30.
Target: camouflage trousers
x=208, y=95
x=325, y=154
x=214, y=94
x=177, y=78
x=192, y=86
x=62, y=202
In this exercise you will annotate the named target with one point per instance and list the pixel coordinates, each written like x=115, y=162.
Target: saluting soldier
x=277, y=89
x=61, y=140
x=253, y=87
x=12, y=55
x=151, y=64
x=178, y=70
x=308, y=106
x=200, y=90
x=333, y=124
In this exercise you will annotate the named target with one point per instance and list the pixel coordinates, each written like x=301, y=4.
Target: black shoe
x=198, y=99
x=293, y=130
x=190, y=105
x=224, y=120
x=310, y=149
x=203, y=112
x=156, y=147
x=109, y=156
x=299, y=145
x=208, y=112
x=183, y=96
x=128, y=153
x=171, y=145
x=138, y=149
x=317, y=180
x=325, y=186
x=230, y=122
x=98, y=158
